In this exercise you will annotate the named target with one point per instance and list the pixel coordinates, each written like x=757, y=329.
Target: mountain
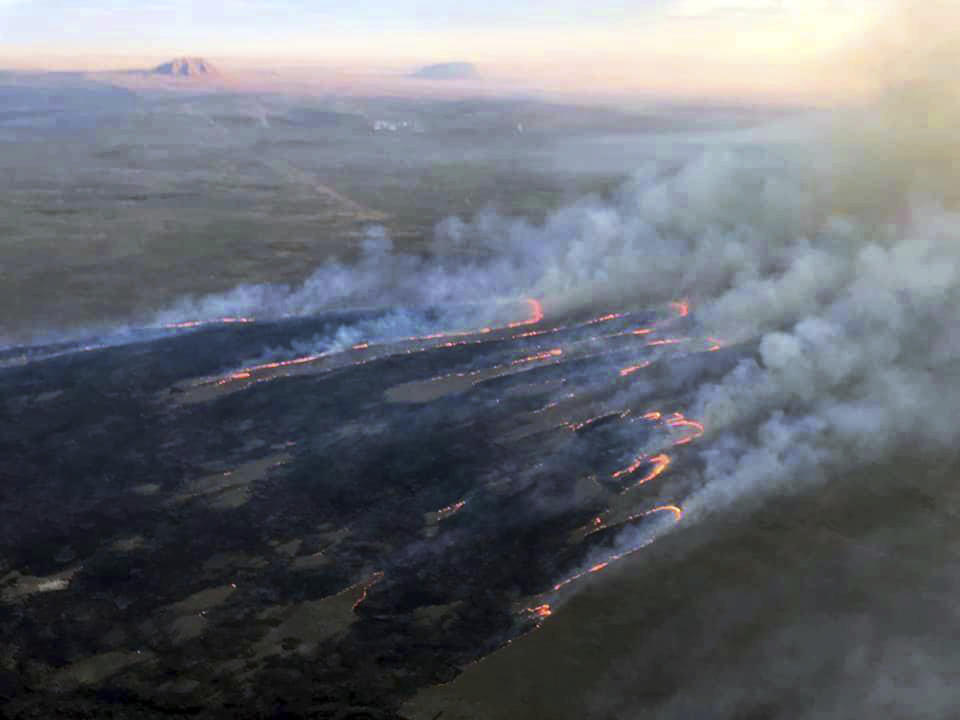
x=448, y=71
x=186, y=67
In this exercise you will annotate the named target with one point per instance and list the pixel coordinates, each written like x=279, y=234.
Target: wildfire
x=659, y=464
x=677, y=420
x=541, y=612
x=534, y=333
x=605, y=318
x=450, y=510
x=667, y=341
x=681, y=307
x=545, y=408
x=198, y=323
x=248, y=372
x=576, y=427
x=561, y=328
x=601, y=525
x=467, y=337
x=536, y=315
x=677, y=514
x=677, y=511
x=628, y=371
x=549, y=354
x=373, y=580
x=673, y=429
x=288, y=363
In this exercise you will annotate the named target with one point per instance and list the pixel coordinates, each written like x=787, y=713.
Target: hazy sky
x=634, y=43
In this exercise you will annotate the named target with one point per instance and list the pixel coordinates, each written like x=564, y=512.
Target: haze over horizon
x=771, y=49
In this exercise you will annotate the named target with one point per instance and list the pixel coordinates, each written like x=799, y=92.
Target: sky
x=633, y=44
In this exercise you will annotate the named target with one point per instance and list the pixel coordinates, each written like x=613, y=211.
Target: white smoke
x=843, y=272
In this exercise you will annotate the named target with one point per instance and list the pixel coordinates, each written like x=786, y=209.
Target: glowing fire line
x=660, y=464
x=681, y=307
x=450, y=510
x=535, y=317
x=187, y=324
x=373, y=580
x=678, y=515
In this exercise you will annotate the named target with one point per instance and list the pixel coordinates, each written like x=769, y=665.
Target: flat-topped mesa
x=186, y=67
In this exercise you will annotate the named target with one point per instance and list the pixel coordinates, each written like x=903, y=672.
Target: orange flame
x=677, y=514
x=541, y=611
x=237, y=376
x=667, y=341
x=677, y=511
x=677, y=420
x=556, y=352
x=374, y=579
x=198, y=323
x=450, y=510
x=589, y=421
x=628, y=371
x=536, y=315
x=660, y=464
x=605, y=318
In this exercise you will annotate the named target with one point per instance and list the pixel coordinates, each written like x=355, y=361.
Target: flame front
x=536, y=315
x=677, y=514
x=450, y=510
x=189, y=324
x=373, y=580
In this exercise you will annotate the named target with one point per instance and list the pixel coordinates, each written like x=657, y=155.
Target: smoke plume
x=837, y=260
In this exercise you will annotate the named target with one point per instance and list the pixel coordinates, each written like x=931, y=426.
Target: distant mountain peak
x=186, y=67
x=448, y=71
